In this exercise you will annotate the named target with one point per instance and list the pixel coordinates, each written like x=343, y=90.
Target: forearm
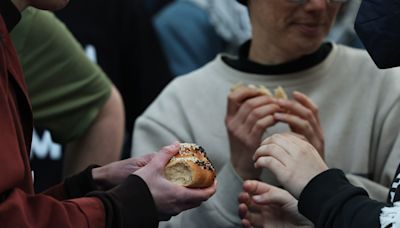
x=75, y=186
x=102, y=142
x=127, y=205
x=375, y=190
x=119, y=202
x=329, y=200
x=20, y=209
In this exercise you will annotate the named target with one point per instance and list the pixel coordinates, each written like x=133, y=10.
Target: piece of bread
x=237, y=85
x=279, y=92
x=264, y=90
x=190, y=167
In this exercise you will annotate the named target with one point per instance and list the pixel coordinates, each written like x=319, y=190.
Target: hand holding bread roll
x=190, y=167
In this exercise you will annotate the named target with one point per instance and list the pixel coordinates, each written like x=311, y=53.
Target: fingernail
x=278, y=115
x=257, y=198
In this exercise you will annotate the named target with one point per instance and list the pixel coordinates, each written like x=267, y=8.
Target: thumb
x=254, y=187
x=274, y=196
x=166, y=153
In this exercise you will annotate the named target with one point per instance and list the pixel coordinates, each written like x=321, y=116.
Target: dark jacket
x=329, y=200
x=127, y=205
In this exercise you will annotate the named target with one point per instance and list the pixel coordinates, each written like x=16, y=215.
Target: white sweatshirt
x=359, y=112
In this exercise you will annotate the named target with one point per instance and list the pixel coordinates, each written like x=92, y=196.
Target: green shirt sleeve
x=66, y=89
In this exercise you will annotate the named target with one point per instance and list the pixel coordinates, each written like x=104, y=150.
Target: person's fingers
x=298, y=125
x=273, y=150
x=254, y=187
x=271, y=139
x=261, y=118
x=250, y=105
x=256, y=219
x=246, y=223
x=293, y=145
x=243, y=210
x=304, y=108
x=269, y=163
x=297, y=108
x=260, y=112
x=147, y=158
x=165, y=154
x=238, y=96
x=244, y=197
x=287, y=142
x=261, y=125
x=274, y=195
x=193, y=195
x=307, y=102
x=272, y=157
x=302, y=137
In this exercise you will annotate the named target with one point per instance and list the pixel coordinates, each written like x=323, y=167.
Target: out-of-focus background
x=128, y=38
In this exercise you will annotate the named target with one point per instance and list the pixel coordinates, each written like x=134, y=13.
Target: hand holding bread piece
x=279, y=92
x=190, y=167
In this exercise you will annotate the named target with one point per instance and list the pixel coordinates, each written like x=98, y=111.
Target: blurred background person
x=327, y=104
x=96, y=197
x=193, y=32
x=71, y=97
x=325, y=195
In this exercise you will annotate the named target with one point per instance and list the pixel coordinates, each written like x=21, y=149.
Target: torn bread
x=190, y=167
x=279, y=92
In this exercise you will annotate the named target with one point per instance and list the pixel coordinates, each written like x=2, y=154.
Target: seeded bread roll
x=190, y=167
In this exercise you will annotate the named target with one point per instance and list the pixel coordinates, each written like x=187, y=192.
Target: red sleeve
x=19, y=209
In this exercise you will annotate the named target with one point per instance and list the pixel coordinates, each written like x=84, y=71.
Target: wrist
x=99, y=176
x=80, y=184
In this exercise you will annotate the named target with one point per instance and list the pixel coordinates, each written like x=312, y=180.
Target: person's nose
x=316, y=5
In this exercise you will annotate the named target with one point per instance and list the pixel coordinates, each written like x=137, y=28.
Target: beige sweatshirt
x=359, y=111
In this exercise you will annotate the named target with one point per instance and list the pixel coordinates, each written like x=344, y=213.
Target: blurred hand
x=110, y=175
x=263, y=205
x=303, y=118
x=248, y=116
x=293, y=160
x=170, y=198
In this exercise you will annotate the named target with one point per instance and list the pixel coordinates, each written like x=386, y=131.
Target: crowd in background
x=105, y=87
x=177, y=36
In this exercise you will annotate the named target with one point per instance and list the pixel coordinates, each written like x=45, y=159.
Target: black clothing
x=243, y=63
x=329, y=200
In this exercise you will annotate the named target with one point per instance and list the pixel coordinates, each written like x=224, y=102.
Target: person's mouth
x=310, y=29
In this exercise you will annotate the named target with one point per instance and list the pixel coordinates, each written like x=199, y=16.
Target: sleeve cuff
x=80, y=184
x=326, y=191
x=129, y=204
